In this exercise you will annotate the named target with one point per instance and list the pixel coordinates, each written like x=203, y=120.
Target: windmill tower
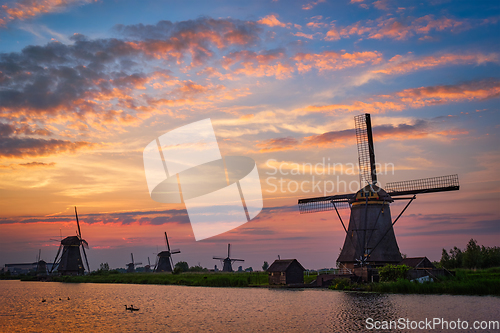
x=147, y=268
x=70, y=260
x=165, y=262
x=228, y=262
x=41, y=265
x=370, y=239
x=131, y=265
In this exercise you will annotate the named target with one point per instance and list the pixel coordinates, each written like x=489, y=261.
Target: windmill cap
x=373, y=192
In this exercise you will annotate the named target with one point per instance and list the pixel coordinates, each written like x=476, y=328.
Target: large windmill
x=370, y=239
x=228, y=262
x=70, y=260
x=165, y=262
x=132, y=264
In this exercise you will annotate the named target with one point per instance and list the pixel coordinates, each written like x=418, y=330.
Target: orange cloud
x=417, y=98
x=402, y=29
x=31, y=8
x=331, y=60
x=311, y=5
x=272, y=21
x=301, y=34
x=399, y=66
x=278, y=144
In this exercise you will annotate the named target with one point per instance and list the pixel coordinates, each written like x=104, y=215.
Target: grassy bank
x=465, y=282
x=184, y=279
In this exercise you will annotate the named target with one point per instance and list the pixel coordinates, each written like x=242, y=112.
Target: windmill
x=370, y=239
x=228, y=262
x=41, y=265
x=164, y=259
x=132, y=264
x=147, y=268
x=70, y=261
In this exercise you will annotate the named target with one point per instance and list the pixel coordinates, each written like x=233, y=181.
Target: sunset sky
x=85, y=85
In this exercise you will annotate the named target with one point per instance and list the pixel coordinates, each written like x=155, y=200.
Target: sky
x=85, y=85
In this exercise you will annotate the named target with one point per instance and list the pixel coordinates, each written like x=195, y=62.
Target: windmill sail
x=322, y=204
x=366, y=152
x=425, y=185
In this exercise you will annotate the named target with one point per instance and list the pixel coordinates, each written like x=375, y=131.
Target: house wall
x=294, y=274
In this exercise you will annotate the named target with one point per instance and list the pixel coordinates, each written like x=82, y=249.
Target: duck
x=131, y=308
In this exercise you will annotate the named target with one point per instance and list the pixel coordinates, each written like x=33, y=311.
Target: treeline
x=474, y=256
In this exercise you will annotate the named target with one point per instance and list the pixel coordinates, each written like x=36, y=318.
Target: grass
x=184, y=279
x=465, y=282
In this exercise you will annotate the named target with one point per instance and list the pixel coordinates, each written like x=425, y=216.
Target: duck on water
x=131, y=308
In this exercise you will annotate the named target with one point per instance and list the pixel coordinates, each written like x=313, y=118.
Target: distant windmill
x=41, y=265
x=131, y=265
x=164, y=259
x=228, y=262
x=70, y=261
x=370, y=239
x=147, y=268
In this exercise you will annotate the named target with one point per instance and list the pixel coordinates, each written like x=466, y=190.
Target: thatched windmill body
x=370, y=239
x=227, y=261
x=165, y=262
x=68, y=258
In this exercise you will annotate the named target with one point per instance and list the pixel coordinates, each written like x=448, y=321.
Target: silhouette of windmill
x=165, y=262
x=131, y=265
x=228, y=262
x=370, y=239
x=70, y=261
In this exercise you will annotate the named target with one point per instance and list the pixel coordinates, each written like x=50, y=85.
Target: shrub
x=393, y=272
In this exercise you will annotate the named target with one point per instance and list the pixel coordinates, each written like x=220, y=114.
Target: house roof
x=417, y=262
x=282, y=265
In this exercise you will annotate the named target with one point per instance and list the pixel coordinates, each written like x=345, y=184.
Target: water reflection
x=99, y=307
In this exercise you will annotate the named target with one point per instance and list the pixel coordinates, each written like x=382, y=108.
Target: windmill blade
x=366, y=152
x=175, y=251
x=78, y=224
x=229, y=250
x=149, y=263
x=425, y=185
x=219, y=258
x=86, y=260
x=168, y=245
x=237, y=260
x=84, y=243
x=322, y=204
x=132, y=256
x=137, y=263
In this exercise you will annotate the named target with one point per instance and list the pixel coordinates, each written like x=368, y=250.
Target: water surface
x=101, y=308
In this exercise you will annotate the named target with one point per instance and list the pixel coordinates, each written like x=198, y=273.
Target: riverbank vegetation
x=217, y=279
x=464, y=282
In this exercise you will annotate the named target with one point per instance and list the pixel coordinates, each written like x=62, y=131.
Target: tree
x=104, y=267
x=445, y=259
x=182, y=265
x=472, y=255
x=265, y=266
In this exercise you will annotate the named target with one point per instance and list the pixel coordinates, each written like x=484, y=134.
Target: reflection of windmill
x=228, y=262
x=370, y=238
x=70, y=261
x=131, y=265
x=164, y=259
